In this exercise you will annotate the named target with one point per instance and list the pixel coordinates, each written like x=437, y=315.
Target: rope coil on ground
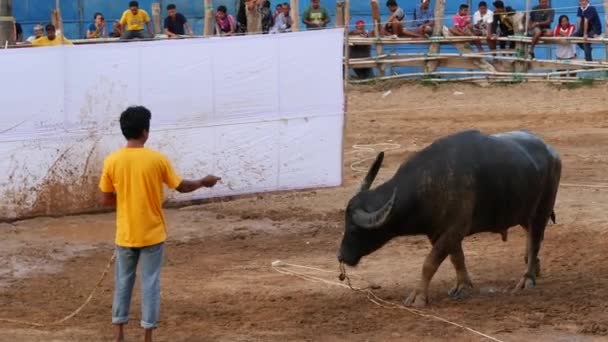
x=75, y=312
x=281, y=267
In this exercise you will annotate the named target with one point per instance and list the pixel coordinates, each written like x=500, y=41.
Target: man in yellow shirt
x=51, y=38
x=133, y=21
x=132, y=180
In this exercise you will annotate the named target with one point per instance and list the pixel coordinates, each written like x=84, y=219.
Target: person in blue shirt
x=589, y=26
x=424, y=18
x=175, y=23
x=98, y=28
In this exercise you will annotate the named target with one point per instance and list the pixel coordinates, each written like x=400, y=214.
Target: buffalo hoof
x=416, y=299
x=525, y=283
x=461, y=291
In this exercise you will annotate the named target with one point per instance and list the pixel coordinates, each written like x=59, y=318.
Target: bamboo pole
x=522, y=47
x=339, y=14
x=606, y=21
x=346, y=45
x=295, y=15
x=377, y=31
x=7, y=23
x=156, y=17
x=208, y=8
x=437, y=31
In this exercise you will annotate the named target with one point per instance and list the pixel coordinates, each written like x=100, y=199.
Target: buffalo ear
x=372, y=173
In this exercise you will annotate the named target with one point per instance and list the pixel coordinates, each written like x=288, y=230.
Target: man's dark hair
x=134, y=121
x=483, y=4
x=499, y=4
x=463, y=6
x=96, y=14
x=222, y=8
x=391, y=3
x=49, y=27
x=171, y=7
x=134, y=4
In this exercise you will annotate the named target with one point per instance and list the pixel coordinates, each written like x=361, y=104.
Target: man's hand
x=210, y=181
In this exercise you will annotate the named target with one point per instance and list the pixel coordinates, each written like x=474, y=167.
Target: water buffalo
x=462, y=184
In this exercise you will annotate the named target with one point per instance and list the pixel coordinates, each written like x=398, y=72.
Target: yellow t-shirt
x=45, y=41
x=135, y=22
x=137, y=175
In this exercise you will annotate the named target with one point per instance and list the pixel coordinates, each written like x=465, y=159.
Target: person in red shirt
x=463, y=26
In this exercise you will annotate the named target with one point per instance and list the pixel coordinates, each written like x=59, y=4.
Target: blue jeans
x=151, y=258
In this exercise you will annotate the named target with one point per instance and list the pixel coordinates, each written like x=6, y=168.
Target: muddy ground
x=218, y=284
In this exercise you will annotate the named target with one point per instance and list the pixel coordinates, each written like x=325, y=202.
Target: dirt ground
x=218, y=284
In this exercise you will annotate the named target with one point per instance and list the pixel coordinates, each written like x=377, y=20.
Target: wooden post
x=437, y=32
x=56, y=18
x=7, y=23
x=156, y=18
x=339, y=14
x=295, y=15
x=520, y=47
x=208, y=7
x=606, y=22
x=346, y=45
x=377, y=31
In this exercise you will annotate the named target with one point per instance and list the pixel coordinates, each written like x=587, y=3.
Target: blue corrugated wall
x=78, y=14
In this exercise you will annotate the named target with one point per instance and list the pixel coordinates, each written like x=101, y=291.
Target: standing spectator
x=51, y=39
x=18, y=33
x=116, y=29
x=224, y=22
x=277, y=11
x=463, y=26
x=175, y=22
x=424, y=18
x=283, y=21
x=267, y=17
x=133, y=21
x=98, y=28
x=540, y=22
x=565, y=50
x=38, y=32
x=502, y=26
x=482, y=19
x=361, y=51
x=254, y=16
x=132, y=180
x=589, y=25
x=315, y=16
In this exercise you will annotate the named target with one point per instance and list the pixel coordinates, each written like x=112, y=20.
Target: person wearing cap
x=361, y=51
x=133, y=21
x=502, y=26
x=482, y=19
x=539, y=24
x=52, y=38
x=38, y=33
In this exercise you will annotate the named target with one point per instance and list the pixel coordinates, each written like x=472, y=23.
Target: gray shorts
x=141, y=34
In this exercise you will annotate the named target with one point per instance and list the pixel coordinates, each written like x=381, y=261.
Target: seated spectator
x=395, y=24
x=564, y=29
x=424, y=18
x=283, y=21
x=315, y=16
x=51, y=39
x=482, y=19
x=589, y=26
x=224, y=22
x=267, y=18
x=133, y=21
x=501, y=26
x=462, y=25
x=175, y=23
x=361, y=51
x=18, y=33
x=116, y=29
x=98, y=28
x=38, y=32
x=539, y=24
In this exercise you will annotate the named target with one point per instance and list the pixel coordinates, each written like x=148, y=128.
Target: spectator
x=424, y=18
x=482, y=19
x=283, y=21
x=565, y=50
x=133, y=21
x=539, y=24
x=395, y=24
x=116, y=29
x=18, y=33
x=224, y=22
x=98, y=28
x=175, y=22
x=501, y=26
x=277, y=11
x=132, y=180
x=315, y=16
x=589, y=25
x=38, y=32
x=267, y=18
x=361, y=51
x=254, y=16
x=51, y=39
x=462, y=25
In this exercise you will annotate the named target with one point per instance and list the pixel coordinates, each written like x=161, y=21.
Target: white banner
x=263, y=112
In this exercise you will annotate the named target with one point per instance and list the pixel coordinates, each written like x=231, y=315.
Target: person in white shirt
x=283, y=21
x=482, y=19
x=38, y=32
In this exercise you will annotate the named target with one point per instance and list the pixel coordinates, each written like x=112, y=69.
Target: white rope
x=281, y=267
